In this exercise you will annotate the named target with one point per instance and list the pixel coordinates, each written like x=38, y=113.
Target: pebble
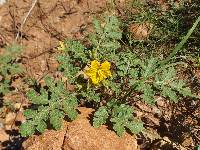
x=2, y=2
x=3, y=136
x=17, y=105
x=10, y=118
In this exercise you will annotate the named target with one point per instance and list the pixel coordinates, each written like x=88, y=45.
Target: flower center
x=99, y=72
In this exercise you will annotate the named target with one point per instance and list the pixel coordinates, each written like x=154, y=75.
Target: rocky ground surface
x=81, y=135
x=169, y=126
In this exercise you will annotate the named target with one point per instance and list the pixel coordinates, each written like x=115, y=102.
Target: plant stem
x=180, y=45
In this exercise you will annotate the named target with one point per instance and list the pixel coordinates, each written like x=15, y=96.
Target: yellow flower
x=98, y=72
x=61, y=46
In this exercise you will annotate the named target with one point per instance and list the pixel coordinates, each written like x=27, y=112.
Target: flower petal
x=95, y=64
x=105, y=65
x=98, y=72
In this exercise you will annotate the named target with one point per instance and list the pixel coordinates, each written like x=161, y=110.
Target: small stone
x=156, y=111
x=17, y=106
x=8, y=127
x=10, y=118
x=140, y=31
x=160, y=102
x=3, y=136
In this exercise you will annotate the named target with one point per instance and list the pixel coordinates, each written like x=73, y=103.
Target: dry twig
x=25, y=18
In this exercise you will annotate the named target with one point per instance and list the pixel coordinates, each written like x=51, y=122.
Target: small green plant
x=9, y=67
x=120, y=115
x=108, y=75
x=52, y=103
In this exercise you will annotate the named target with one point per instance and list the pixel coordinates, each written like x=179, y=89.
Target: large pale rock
x=80, y=135
x=50, y=140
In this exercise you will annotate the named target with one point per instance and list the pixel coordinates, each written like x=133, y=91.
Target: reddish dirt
x=81, y=135
x=48, y=23
x=171, y=126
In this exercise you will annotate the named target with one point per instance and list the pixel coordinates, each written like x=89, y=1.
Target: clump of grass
x=170, y=21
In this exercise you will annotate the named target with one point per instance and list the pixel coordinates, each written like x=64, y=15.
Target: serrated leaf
x=42, y=113
x=72, y=114
x=38, y=98
x=186, y=92
x=100, y=117
x=111, y=45
x=122, y=112
x=166, y=77
x=49, y=82
x=91, y=95
x=167, y=92
x=56, y=118
x=121, y=116
x=15, y=69
x=149, y=67
x=29, y=113
x=27, y=128
x=4, y=88
x=119, y=128
x=41, y=126
x=135, y=126
x=69, y=107
x=180, y=86
x=148, y=95
x=97, y=26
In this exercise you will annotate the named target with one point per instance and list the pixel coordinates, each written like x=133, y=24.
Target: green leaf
x=15, y=69
x=167, y=92
x=115, y=87
x=97, y=26
x=100, y=117
x=119, y=128
x=135, y=126
x=148, y=95
x=50, y=106
x=49, y=82
x=122, y=118
x=72, y=114
x=42, y=113
x=180, y=86
x=14, y=48
x=149, y=67
x=41, y=126
x=167, y=76
x=4, y=88
x=91, y=95
x=56, y=118
x=106, y=36
x=69, y=107
x=27, y=128
x=38, y=98
x=29, y=113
